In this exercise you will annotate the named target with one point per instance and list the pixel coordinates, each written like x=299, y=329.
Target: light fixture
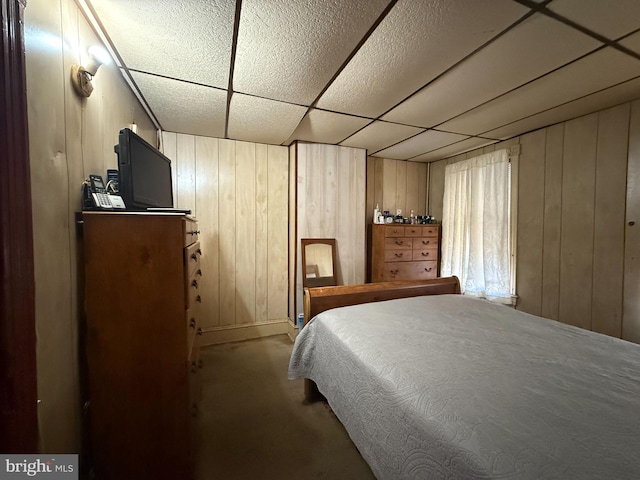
x=81, y=76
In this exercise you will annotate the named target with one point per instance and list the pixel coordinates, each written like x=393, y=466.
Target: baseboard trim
x=236, y=333
x=292, y=330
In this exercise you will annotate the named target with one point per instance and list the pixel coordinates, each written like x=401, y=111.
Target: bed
x=431, y=384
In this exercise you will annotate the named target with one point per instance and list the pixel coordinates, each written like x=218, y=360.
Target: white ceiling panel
x=290, y=50
x=327, y=127
x=413, y=45
x=632, y=42
x=425, y=142
x=255, y=119
x=594, y=72
x=167, y=99
x=454, y=149
x=598, y=101
x=184, y=39
x=379, y=135
x=610, y=18
x=501, y=66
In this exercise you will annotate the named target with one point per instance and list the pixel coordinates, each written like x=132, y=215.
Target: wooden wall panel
x=530, y=217
x=207, y=204
x=185, y=173
x=245, y=232
x=552, y=221
x=227, y=231
x=170, y=149
x=262, y=231
x=610, y=197
x=631, y=306
x=578, y=196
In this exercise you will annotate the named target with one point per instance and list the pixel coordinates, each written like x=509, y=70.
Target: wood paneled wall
x=69, y=138
x=331, y=195
x=239, y=193
x=577, y=243
x=396, y=184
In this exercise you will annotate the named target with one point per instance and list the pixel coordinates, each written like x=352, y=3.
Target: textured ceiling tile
x=425, y=142
x=453, y=149
x=167, y=98
x=290, y=50
x=259, y=120
x=327, y=127
x=592, y=73
x=501, y=66
x=379, y=135
x=412, y=45
x=624, y=92
x=184, y=39
x=632, y=42
x=610, y=18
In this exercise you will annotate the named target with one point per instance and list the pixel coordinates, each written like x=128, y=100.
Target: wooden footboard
x=319, y=299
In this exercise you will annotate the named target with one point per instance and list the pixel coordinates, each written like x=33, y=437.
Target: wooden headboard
x=319, y=299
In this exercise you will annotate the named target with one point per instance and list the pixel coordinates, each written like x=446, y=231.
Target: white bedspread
x=454, y=387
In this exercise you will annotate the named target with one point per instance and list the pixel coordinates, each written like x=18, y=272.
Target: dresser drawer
x=413, y=231
x=192, y=328
x=393, y=231
x=192, y=255
x=425, y=253
x=193, y=291
x=425, y=242
x=400, y=255
x=409, y=271
x=430, y=231
x=190, y=231
x=398, y=243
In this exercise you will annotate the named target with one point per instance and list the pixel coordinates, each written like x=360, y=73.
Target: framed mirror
x=318, y=262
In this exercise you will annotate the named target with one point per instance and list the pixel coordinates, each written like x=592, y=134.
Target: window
x=476, y=226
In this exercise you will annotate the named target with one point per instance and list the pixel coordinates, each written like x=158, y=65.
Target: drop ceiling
x=414, y=80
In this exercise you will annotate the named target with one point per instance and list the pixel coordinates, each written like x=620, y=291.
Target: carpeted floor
x=254, y=424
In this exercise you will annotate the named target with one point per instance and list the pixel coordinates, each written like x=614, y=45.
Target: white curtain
x=475, y=225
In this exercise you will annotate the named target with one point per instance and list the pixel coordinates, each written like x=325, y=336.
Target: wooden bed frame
x=319, y=299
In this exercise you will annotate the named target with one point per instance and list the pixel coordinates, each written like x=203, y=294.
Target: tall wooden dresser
x=404, y=252
x=141, y=302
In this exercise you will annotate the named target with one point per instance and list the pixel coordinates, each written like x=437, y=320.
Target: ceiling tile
x=592, y=73
x=501, y=66
x=167, y=99
x=425, y=142
x=184, y=39
x=259, y=120
x=453, y=149
x=379, y=135
x=621, y=93
x=413, y=45
x=327, y=127
x=632, y=42
x=289, y=51
x=610, y=18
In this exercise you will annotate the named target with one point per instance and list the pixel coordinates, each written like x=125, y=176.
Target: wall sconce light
x=81, y=76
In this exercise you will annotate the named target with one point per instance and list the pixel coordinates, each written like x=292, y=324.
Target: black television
x=144, y=173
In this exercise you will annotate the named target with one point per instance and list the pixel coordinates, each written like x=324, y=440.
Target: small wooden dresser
x=404, y=252
x=141, y=301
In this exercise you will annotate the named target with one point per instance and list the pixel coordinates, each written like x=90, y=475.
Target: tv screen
x=144, y=173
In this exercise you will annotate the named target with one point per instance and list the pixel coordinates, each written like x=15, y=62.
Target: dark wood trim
x=18, y=387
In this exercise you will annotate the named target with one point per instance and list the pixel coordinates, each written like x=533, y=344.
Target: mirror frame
x=319, y=281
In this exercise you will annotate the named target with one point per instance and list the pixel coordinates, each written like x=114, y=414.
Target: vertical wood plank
x=389, y=183
x=370, y=189
x=530, y=226
x=379, y=183
x=246, y=232
x=262, y=247
x=294, y=252
x=277, y=231
x=631, y=309
x=186, y=181
x=401, y=187
x=227, y=235
x=423, y=177
x=552, y=221
x=358, y=161
x=608, y=244
x=436, y=188
x=576, y=248
x=206, y=150
x=170, y=149
x=412, y=191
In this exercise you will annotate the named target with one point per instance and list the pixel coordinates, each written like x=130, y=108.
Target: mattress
x=454, y=387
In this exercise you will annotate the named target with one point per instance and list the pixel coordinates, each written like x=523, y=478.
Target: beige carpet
x=254, y=424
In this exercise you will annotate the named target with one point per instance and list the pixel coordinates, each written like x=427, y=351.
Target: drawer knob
x=394, y=272
x=199, y=272
x=192, y=323
x=428, y=269
x=399, y=242
x=193, y=232
x=194, y=367
x=200, y=332
x=399, y=255
x=194, y=284
x=199, y=299
x=199, y=252
x=425, y=254
x=194, y=257
x=425, y=242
